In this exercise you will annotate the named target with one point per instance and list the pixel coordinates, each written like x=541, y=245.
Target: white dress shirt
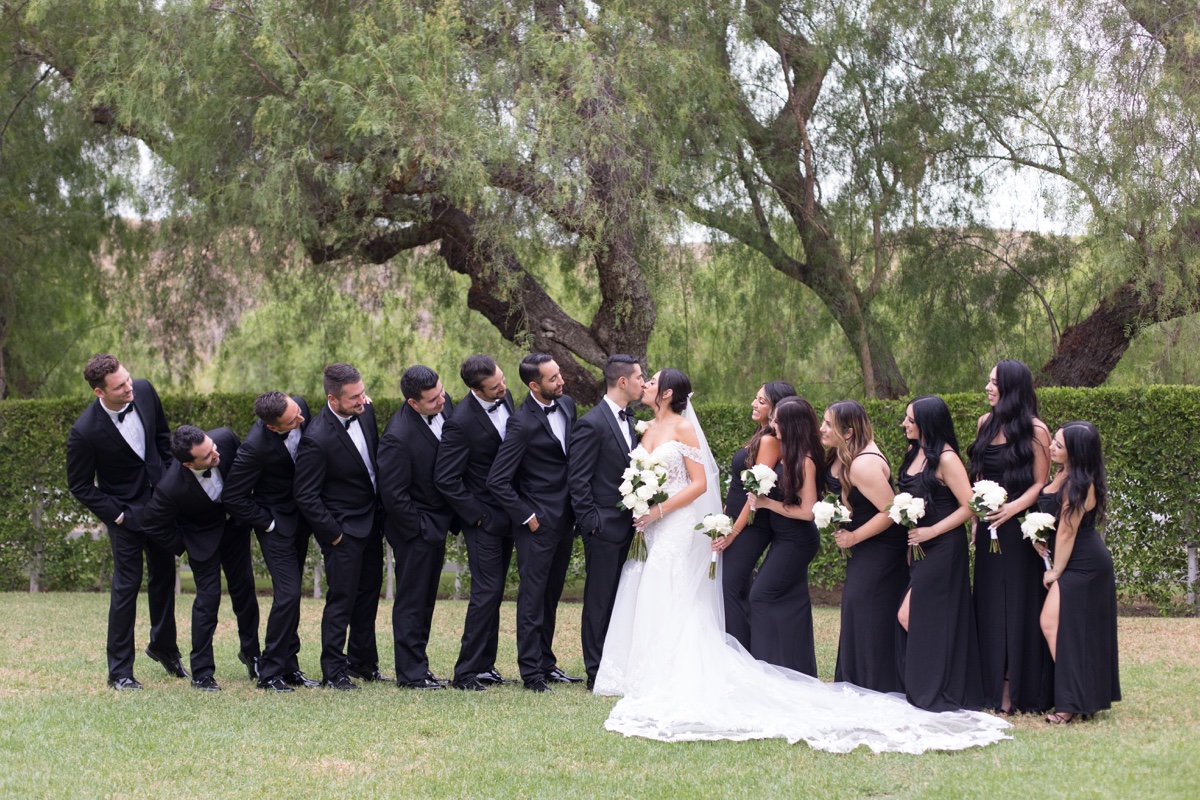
x=499, y=417
x=212, y=485
x=558, y=422
x=623, y=425
x=131, y=429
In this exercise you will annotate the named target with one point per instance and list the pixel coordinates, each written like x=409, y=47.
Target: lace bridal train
x=681, y=679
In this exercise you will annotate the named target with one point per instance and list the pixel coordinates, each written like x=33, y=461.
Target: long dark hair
x=932, y=416
x=799, y=438
x=1085, y=458
x=848, y=414
x=1013, y=415
x=775, y=391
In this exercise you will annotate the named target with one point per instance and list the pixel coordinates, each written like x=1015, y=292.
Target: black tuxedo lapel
x=343, y=436
x=106, y=424
x=419, y=422
x=483, y=418
x=615, y=424
x=276, y=443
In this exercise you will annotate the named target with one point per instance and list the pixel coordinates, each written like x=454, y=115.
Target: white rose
x=630, y=501
x=625, y=488
x=724, y=525
x=823, y=514
x=916, y=509
x=641, y=508
x=645, y=492
x=642, y=426
x=649, y=477
x=894, y=513
x=902, y=499
x=630, y=473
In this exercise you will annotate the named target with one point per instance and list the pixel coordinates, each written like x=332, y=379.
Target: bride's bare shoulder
x=685, y=432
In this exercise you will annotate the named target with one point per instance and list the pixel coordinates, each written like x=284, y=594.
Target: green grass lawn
x=63, y=734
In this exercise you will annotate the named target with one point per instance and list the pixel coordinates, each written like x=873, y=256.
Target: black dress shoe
x=275, y=685
x=341, y=682
x=172, y=662
x=491, y=676
x=251, y=663
x=369, y=675
x=470, y=685
x=206, y=684
x=591, y=684
x=538, y=685
x=424, y=683
x=558, y=676
x=298, y=678
x=126, y=684
x=431, y=677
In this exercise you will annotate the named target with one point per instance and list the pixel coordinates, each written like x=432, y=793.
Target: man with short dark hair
x=470, y=440
x=259, y=490
x=335, y=489
x=528, y=477
x=418, y=518
x=116, y=452
x=600, y=445
x=187, y=510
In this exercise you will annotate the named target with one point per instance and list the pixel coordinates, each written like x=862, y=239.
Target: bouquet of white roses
x=986, y=497
x=715, y=525
x=641, y=487
x=759, y=480
x=829, y=515
x=1032, y=525
x=907, y=510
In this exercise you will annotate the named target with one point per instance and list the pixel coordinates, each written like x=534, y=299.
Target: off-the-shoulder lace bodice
x=673, y=453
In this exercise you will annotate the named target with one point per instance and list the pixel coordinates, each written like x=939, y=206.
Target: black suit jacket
x=529, y=475
x=408, y=452
x=104, y=473
x=598, y=458
x=469, y=445
x=181, y=515
x=259, y=488
x=332, y=486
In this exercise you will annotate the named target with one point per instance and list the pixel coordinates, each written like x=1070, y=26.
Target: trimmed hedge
x=1151, y=438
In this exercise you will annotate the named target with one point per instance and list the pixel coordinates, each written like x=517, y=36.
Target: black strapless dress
x=941, y=657
x=1086, y=678
x=876, y=579
x=741, y=557
x=781, y=620
x=1009, y=596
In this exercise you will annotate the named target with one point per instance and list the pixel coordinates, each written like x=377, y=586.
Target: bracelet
x=660, y=511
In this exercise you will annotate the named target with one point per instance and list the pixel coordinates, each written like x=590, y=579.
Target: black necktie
x=122, y=414
x=495, y=405
x=207, y=473
x=349, y=422
x=430, y=418
x=550, y=409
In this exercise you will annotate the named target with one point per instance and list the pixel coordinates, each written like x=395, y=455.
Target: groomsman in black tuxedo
x=116, y=453
x=599, y=455
x=528, y=477
x=259, y=489
x=418, y=518
x=187, y=510
x=335, y=490
x=470, y=440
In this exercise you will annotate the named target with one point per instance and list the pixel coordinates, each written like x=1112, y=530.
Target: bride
x=681, y=679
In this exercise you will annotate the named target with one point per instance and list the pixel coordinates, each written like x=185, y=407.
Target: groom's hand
x=533, y=523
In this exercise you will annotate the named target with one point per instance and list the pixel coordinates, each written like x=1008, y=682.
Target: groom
x=599, y=454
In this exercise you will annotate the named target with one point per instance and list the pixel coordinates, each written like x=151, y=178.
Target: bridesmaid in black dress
x=941, y=656
x=746, y=543
x=1013, y=449
x=1080, y=616
x=877, y=569
x=781, y=622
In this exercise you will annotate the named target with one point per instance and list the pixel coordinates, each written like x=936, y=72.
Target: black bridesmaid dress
x=941, y=655
x=739, y=559
x=876, y=578
x=1009, y=596
x=781, y=620
x=1086, y=678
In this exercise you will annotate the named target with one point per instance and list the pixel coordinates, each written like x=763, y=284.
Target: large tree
x=495, y=130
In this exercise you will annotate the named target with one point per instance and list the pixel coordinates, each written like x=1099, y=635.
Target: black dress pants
x=354, y=569
x=603, y=560
x=542, y=560
x=285, y=555
x=232, y=557
x=127, y=549
x=418, y=570
x=488, y=557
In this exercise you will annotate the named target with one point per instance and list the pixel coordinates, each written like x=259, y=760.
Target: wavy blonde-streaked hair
x=848, y=414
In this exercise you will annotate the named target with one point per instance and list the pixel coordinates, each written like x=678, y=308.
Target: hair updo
x=677, y=383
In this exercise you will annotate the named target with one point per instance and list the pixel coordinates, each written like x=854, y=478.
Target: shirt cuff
x=531, y=516
x=271, y=527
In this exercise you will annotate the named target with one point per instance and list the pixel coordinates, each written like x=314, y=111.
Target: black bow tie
x=550, y=409
x=495, y=405
x=430, y=418
x=350, y=422
x=122, y=414
x=624, y=415
x=207, y=473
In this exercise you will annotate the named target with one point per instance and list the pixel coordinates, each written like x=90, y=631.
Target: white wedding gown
x=681, y=679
